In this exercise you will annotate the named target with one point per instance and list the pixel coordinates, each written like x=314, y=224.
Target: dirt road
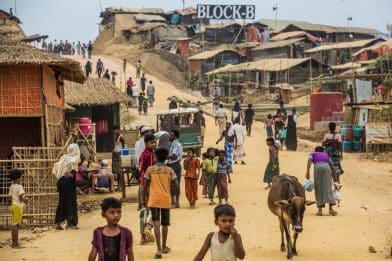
x=364, y=219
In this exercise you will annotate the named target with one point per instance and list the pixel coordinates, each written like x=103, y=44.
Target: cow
x=286, y=200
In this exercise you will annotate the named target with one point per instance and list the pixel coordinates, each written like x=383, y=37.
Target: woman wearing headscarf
x=291, y=138
x=65, y=170
x=236, y=112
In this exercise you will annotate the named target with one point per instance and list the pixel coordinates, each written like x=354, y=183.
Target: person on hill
x=145, y=104
x=89, y=49
x=324, y=174
x=88, y=69
x=138, y=68
x=236, y=112
x=192, y=168
x=99, y=67
x=291, y=138
x=249, y=114
x=84, y=49
x=230, y=139
x=151, y=93
x=64, y=170
x=333, y=146
x=223, y=177
x=17, y=194
x=210, y=166
x=73, y=48
x=106, y=75
x=124, y=66
x=239, y=153
x=272, y=169
x=111, y=242
x=146, y=160
x=143, y=82
x=158, y=181
x=221, y=118
x=226, y=244
x=174, y=162
x=140, y=103
x=78, y=48
x=129, y=87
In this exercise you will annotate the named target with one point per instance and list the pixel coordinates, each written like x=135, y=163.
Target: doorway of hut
x=19, y=132
x=103, y=117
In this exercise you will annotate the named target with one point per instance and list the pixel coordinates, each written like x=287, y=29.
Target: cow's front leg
x=282, y=245
x=295, y=244
x=289, y=244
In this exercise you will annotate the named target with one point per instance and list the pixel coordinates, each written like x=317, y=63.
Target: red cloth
x=129, y=83
x=146, y=160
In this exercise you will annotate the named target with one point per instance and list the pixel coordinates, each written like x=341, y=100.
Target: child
x=272, y=168
x=222, y=174
x=192, y=167
x=140, y=103
x=111, y=242
x=158, y=180
x=269, y=122
x=226, y=244
x=282, y=136
x=203, y=179
x=18, y=199
x=82, y=177
x=145, y=104
x=210, y=165
x=102, y=180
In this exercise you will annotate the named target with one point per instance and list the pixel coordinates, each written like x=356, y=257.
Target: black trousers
x=99, y=71
x=67, y=208
x=248, y=125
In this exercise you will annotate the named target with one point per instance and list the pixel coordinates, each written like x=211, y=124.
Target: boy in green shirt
x=210, y=165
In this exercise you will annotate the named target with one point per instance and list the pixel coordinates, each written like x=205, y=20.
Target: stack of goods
x=352, y=138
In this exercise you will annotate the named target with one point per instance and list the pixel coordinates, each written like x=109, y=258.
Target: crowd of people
x=67, y=48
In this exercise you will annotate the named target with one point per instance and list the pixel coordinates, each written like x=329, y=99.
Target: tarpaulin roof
x=294, y=35
x=345, y=66
x=269, y=65
x=149, y=18
x=278, y=44
x=208, y=54
x=387, y=43
x=119, y=10
x=345, y=45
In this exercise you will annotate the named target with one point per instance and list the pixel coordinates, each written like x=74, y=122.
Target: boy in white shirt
x=17, y=193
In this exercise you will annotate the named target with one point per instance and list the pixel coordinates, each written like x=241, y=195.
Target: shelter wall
x=55, y=126
x=282, y=52
x=20, y=90
x=50, y=89
x=195, y=65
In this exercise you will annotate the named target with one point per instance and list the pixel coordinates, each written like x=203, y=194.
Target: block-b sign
x=226, y=11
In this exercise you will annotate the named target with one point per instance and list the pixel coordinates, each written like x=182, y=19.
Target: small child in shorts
x=225, y=244
x=18, y=200
x=111, y=242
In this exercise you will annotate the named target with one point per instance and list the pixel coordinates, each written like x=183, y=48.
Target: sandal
x=158, y=255
x=333, y=212
x=319, y=213
x=166, y=250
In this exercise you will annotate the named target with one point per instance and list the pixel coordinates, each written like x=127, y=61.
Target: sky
x=75, y=20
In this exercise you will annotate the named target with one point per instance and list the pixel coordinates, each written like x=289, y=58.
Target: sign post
x=226, y=11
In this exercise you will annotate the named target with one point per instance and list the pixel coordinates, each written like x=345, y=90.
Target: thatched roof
x=26, y=54
x=345, y=45
x=278, y=44
x=10, y=30
x=98, y=91
x=269, y=65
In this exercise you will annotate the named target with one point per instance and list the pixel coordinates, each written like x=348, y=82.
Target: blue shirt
x=283, y=133
x=175, y=149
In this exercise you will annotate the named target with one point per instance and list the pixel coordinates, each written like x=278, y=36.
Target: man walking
x=151, y=93
x=230, y=139
x=249, y=114
x=138, y=68
x=99, y=67
x=239, y=152
x=88, y=68
x=89, y=49
x=143, y=83
x=220, y=119
x=119, y=144
x=174, y=162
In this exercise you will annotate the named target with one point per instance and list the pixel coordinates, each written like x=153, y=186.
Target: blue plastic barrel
x=346, y=145
x=356, y=145
x=357, y=132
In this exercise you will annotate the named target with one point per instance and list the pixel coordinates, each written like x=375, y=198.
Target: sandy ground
x=364, y=218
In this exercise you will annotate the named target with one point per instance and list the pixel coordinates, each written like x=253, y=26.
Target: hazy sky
x=78, y=19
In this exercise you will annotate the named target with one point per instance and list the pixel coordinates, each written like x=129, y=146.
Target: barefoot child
x=192, y=167
x=223, y=175
x=210, y=165
x=18, y=199
x=272, y=168
x=158, y=180
x=111, y=242
x=226, y=244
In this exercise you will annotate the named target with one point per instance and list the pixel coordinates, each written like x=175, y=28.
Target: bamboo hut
x=32, y=125
x=99, y=101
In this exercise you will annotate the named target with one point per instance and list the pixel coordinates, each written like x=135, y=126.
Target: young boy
x=210, y=165
x=203, y=179
x=282, y=136
x=18, y=199
x=226, y=244
x=158, y=180
x=223, y=175
x=111, y=242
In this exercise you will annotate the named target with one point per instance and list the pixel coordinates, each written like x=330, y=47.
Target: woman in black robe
x=291, y=138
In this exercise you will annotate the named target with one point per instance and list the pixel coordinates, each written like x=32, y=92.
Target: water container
x=84, y=125
x=357, y=132
x=346, y=145
x=125, y=152
x=349, y=132
x=356, y=146
x=343, y=130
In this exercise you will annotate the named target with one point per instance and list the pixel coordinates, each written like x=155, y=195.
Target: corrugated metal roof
x=185, y=11
x=278, y=44
x=345, y=45
x=208, y=54
x=135, y=10
x=149, y=18
x=269, y=65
